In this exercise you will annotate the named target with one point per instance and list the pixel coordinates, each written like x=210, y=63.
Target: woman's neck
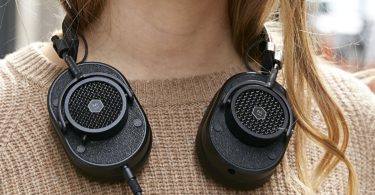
x=163, y=39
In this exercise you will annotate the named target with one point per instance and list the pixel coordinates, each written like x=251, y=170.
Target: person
x=176, y=55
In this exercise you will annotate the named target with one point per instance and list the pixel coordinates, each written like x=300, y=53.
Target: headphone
x=105, y=132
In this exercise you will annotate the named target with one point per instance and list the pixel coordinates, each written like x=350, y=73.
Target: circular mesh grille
x=272, y=114
x=108, y=95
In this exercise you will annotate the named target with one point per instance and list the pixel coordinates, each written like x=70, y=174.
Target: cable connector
x=132, y=180
x=63, y=46
x=65, y=52
x=268, y=57
x=60, y=46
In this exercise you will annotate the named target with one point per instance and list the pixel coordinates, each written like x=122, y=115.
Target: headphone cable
x=132, y=180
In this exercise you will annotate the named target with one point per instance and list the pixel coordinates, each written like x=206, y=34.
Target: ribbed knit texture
x=33, y=161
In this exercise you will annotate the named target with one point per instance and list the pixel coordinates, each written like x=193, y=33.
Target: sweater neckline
x=34, y=66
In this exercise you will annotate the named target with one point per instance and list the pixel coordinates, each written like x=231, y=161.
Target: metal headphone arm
x=67, y=46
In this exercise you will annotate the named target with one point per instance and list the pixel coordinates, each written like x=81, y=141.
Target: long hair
x=301, y=77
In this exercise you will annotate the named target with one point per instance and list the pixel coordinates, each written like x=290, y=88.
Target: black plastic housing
x=101, y=157
x=234, y=159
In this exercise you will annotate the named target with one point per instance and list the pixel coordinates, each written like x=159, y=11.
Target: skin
x=161, y=39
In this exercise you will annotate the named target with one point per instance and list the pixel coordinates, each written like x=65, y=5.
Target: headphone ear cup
x=245, y=131
x=105, y=126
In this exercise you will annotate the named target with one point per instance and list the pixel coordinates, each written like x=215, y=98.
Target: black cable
x=132, y=180
x=86, y=48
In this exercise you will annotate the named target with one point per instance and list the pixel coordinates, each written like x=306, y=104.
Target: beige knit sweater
x=32, y=160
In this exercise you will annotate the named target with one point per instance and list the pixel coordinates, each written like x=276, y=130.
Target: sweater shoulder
x=30, y=63
x=24, y=76
x=13, y=98
x=353, y=96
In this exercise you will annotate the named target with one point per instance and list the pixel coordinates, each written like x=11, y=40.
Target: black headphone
x=247, y=126
x=105, y=132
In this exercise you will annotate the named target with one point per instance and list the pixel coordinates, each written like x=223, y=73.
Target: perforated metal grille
x=96, y=90
x=271, y=112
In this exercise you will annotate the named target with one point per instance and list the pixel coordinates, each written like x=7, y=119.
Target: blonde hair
x=247, y=19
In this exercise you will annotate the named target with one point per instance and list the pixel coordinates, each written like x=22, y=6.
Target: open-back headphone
x=105, y=132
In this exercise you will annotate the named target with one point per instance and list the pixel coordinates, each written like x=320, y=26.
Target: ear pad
x=245, y=131
x=99, y=121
